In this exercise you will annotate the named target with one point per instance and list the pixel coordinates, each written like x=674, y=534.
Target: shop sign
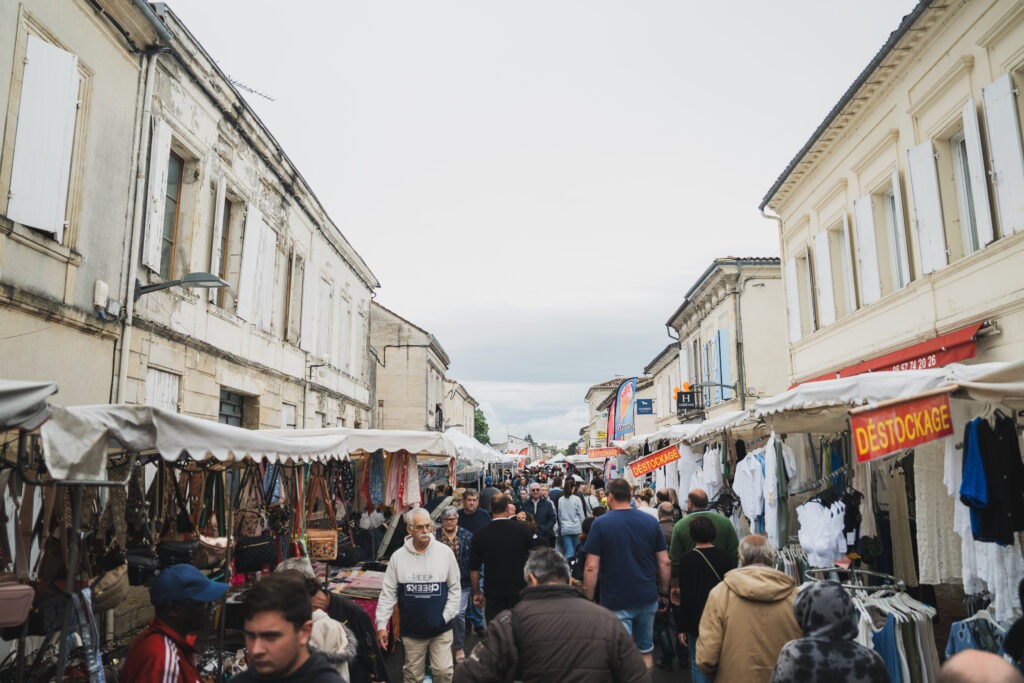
x=686, y=400
x=645, y=406
x=894, y=428
x=609, y=452
x=651, y=462
x=601, y=436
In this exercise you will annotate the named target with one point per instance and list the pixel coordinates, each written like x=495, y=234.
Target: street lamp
x=204, y=280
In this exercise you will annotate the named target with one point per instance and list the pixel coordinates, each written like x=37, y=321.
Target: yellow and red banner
x=609, y=452
x=881, y=432
x=651, y=462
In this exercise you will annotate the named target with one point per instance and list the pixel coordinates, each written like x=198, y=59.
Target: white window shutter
x=264, y=306
x=792, y=300
x=344, y=309
x=307, y=336
x=716, y=367
x=1004, y=148
x=248, y=284
x=725, y=353
x=45, y=135
x=899, y=246
x=216, y=254
x=924, y=188
x=979, y=179
x=159, y=154
x=823, y=279
x=867, y=250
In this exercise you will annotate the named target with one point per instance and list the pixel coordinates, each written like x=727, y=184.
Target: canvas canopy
x=823, y=406
x=76, y=440
x=24, y=404
x=717, y=424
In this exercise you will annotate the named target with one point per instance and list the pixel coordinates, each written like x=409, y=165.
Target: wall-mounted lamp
x=203, y=280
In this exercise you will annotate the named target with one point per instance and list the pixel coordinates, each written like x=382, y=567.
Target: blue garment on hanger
x=961, y=638
x=884, y=641
x=973, y=487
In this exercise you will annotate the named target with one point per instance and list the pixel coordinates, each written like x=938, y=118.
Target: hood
x=825, y=611
x=409, y=546
x=759, y=583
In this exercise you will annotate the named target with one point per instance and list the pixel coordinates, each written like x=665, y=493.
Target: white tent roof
x=24, y=404
x=717, y=424
x=674, y=433
x=76, y=440
x=823, y=406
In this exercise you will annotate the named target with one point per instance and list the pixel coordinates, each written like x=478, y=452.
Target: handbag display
x=142, y=563
x=16, y=595
x=110, y=589
x=253, y=552
x=321, y=525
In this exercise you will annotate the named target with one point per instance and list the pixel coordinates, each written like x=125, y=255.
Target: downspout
x=778, y=222
x=137, y=216
x=741, y=374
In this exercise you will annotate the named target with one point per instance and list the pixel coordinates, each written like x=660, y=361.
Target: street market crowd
x=563, y=580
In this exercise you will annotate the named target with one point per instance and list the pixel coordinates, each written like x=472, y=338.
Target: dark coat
x=600, y=652
x=369, y=661
x=544, y=516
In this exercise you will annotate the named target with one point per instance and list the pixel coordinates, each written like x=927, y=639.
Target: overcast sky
x=538, y=183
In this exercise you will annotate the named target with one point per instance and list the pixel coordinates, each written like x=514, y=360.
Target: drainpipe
x=154, y=21
x=778, y=222
x=130, y=257
x=741, y=374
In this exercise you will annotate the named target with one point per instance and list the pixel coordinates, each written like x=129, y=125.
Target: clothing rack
x=858, y=579
x=829, y=479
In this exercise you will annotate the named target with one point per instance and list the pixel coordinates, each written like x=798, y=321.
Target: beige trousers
x=440, y=649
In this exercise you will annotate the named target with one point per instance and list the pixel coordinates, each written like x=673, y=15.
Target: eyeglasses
x=423, y=527
x=450, y=519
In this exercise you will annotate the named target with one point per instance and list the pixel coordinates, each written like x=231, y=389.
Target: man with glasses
x=164, y=652
x=423, y=580
x=543, y=511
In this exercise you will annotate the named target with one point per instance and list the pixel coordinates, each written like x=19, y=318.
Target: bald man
x=975, y=666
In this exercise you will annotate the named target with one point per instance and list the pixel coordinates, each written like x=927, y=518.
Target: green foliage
x=480, y=428
x=571, y=448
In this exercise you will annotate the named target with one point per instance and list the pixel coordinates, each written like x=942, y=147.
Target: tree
x=571, y=448
x=480, y=428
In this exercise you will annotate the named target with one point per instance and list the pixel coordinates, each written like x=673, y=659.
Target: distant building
x=459, y=408
x=410, y=373
x=902, y=217
x=731, y=328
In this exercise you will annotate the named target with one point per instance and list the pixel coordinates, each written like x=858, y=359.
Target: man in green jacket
x=725, y=535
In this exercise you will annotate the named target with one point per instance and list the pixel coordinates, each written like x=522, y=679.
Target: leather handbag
x=212, y=549
x=321, y=525
x=177, y=546
x=142, y=563
x=16, y=595
x=110, y=589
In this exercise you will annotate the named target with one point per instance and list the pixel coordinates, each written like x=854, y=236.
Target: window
x=172, y=197
x=288, y=416
x=800, y=306
x=232, y=408
x=44, y=138
x=226, y=246
x=294, y=312
x=162, y=389
x=344, y=335
x=896, y=235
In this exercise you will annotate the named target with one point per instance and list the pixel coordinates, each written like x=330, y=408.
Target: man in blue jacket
x=423, y=580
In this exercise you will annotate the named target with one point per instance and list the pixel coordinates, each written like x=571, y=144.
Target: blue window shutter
x=716, y=369
x=707, y=373
x=726, y=362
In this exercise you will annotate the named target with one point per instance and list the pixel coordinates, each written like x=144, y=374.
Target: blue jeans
x=571, y=542
x=459, y=628
x=695, y=674
x=639, y=623
x=473, y=613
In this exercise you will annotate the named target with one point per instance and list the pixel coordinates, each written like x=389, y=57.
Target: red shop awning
x=948, y=348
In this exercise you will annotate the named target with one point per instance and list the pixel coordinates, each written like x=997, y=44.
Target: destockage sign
x=653, y=461
x=905, y=425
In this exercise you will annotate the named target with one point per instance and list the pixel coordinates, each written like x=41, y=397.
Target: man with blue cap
x=165, y=651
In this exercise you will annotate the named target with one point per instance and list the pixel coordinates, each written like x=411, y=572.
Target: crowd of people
x=563, y=581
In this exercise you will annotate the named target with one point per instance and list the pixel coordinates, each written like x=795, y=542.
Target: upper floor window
x=172, y=198
x=171, y=188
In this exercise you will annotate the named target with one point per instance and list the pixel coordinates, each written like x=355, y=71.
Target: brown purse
x=321, y=526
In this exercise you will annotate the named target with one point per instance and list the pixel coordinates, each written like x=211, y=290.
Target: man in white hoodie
x=423, y=580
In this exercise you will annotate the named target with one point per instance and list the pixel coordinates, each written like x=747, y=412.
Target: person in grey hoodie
x=423, y=580
x=828, y=651
x=570, y=518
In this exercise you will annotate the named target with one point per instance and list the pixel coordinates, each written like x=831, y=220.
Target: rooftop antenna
x=243, y=86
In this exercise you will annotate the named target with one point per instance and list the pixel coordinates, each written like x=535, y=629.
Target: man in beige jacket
x=748, y=618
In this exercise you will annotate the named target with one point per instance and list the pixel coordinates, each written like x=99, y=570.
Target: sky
x=538, y=183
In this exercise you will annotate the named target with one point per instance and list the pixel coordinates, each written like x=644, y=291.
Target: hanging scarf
x=411, y=492
x=377, y=477
x=347, y=474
